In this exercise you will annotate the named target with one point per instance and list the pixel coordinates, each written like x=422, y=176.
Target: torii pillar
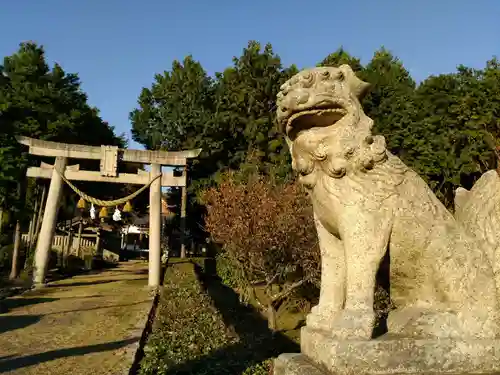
x=49, y=222
x=154, y=275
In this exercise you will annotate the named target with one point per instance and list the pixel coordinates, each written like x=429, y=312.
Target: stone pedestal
x=390, y=355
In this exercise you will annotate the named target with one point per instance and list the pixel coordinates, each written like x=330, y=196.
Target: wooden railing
x=61, y=242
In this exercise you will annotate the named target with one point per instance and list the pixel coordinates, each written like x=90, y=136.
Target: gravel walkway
x=83, y=325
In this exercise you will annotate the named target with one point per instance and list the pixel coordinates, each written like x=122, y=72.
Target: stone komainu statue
x=367, y=202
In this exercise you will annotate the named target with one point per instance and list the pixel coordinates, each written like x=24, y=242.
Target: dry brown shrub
x=267, y=231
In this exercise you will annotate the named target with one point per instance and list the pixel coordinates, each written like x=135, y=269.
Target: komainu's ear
x=357, y=86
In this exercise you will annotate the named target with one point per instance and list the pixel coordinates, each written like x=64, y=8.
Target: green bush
x=226, y=271
x=187, y=328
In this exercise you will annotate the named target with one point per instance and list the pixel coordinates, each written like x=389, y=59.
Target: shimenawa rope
x=103, y=203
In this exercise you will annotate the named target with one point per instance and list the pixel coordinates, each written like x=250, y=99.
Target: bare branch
x=288, y=290
x=273, y=278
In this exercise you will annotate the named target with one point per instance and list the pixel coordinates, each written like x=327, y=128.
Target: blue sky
x=116, y=46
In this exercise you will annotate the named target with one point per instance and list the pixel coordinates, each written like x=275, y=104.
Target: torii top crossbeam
x=109, y=157
x=75, y=151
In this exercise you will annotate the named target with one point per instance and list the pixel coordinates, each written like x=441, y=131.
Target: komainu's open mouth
x=312, y=118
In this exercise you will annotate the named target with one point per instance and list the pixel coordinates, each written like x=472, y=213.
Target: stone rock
x=296, y=364
x=366, y=201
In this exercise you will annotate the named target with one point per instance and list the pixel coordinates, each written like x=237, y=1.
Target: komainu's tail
x=478, y=211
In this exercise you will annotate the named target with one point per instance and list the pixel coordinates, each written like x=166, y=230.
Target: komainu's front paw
x=344, y=324
x=355, y=324
x=322, y=317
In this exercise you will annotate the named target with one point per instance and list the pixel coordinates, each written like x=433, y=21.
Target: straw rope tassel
x=128, y=207
x=103, y=213
x=81, y=204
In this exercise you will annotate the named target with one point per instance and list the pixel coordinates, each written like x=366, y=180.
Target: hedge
x=189, y=335
x=187, y=326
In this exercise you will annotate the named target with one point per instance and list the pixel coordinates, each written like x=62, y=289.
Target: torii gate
x=109, y=157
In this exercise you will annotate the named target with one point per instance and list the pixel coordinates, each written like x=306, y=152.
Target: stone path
x=83, y=325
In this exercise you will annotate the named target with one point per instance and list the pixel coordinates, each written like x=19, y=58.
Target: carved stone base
x=390, y=355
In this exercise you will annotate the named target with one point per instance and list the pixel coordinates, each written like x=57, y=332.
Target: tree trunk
x=37, y=222
x=66, y=250
x=97, y=248
x=183, y=218
x=14, y=271
x=16, y=252
x=277, y=300
x=272, y=317
x=31, y=231
x=39, y=218
x=79, y=241
x=1, y=219
x=69, y=248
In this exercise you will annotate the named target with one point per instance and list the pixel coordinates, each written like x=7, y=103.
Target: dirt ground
x=75, y=326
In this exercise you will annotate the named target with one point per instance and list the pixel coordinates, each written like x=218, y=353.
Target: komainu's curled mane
x=367, y=202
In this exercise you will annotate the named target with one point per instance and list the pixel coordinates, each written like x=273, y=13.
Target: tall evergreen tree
x=391, y=87
x=45, y=103
x=454, y=128
x=176, y=113
x=245, y=108
x=341, y=57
